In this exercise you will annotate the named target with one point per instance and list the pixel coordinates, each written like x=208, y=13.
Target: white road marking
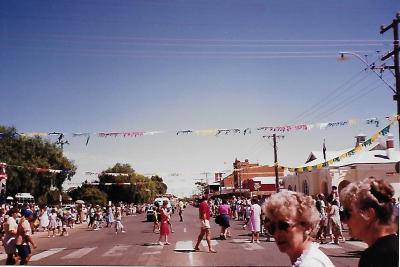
x=116, y=251
x=186, y=245
x=330, y=246
x=79, y=253
x=252, y=246
x=236, y=240
x=359, y=244
x=213, y=243
x=46, y=253
x=191, y=259
x=152, y=252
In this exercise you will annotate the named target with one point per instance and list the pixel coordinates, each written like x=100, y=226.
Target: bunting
x=37, y=170
x=217, y=132
x=345, y=155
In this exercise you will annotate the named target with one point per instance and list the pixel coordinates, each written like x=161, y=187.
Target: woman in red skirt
x=164, y=226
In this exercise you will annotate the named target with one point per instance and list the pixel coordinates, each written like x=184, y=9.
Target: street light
x=372, y=67
x=369, y=66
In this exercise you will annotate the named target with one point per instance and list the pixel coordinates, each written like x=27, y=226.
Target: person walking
x=156, y=217
x=118, y=221
x=109, y=217
x=92, y=216
x=24, y=238
x=224, y=211
x=165, y=214
x=205, y=228
x=368, y=212
x=180, y=210
x=334, y=221
x=43, y=218
x=323, y=221
x=10, y=232
x=52, y=223
x=255, y=221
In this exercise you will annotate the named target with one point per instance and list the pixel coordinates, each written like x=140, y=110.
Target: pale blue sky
x=92, y=66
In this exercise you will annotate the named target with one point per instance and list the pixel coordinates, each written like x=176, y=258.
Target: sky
x=94, y=66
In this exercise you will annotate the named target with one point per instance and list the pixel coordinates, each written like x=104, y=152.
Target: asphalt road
x=138, y=246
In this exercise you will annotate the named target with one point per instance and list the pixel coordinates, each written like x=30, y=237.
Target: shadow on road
x=348, y=254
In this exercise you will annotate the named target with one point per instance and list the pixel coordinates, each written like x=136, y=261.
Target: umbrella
x=80, y=202
x=10, y=198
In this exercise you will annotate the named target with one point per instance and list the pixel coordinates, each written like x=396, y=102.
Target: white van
x=160, y=201
x=22, y=198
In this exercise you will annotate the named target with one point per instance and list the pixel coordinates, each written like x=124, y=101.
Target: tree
x=161, y=187
x=90, y=194
x=141, y=188
x=119, y=190
x=34, y=152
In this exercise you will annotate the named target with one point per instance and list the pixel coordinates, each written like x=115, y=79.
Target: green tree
x=35, y=153
x=90, y=194
x=118, y=191
x=161, y=187
x=141, y=188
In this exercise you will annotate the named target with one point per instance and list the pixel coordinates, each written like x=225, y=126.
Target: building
x=377, y=161
x=250, y=179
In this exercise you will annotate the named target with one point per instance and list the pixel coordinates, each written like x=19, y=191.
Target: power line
x=357, y=95
x=321, y=102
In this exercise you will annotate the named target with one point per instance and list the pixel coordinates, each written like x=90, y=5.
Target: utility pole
x=276, y=165
x=274, y=136
x=395, y=53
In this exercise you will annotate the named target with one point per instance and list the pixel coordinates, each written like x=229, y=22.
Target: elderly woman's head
x=292, y=207
x=370, y=198
x=367, y=208
x=291, y=217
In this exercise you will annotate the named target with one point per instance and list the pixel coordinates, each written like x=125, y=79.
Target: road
x=138, y=247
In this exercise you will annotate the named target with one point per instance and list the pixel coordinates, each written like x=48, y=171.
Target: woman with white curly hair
x=368, y=212
x=290, y=219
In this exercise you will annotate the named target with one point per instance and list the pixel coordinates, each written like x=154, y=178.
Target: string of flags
x=345, y=155
x=216, y=132
x=34, y=169
x=330, y=162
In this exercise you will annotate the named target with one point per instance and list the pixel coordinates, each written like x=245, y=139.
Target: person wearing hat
x=24, y=237
x=10, y=229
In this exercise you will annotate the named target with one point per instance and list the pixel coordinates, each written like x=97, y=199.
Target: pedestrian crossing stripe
x=152, y=252
x=79, y=253
x=46, y=254
x=213, y=243
x=184, y=246
x=252, y=246
x=116, y=251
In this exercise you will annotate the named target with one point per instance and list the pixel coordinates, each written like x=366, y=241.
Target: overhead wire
x=337, y=90
x=364, y=91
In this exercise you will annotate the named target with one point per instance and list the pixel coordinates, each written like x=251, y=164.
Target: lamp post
x=369, y=66
x=372, y=67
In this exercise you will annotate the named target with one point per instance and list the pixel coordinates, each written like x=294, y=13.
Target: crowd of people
x=19, y=222
x=298, y=223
